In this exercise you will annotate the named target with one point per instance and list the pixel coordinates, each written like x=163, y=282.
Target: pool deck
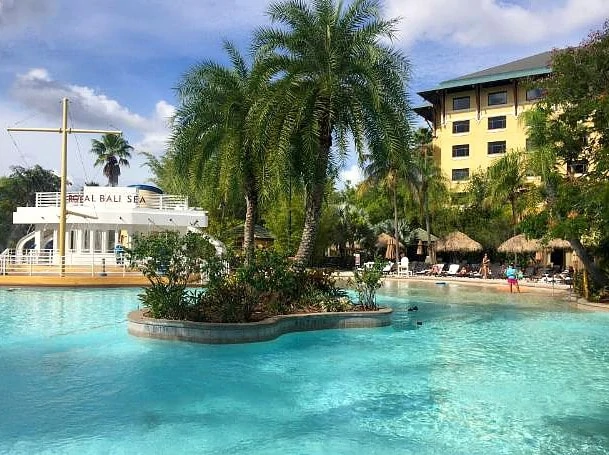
x=73, y=281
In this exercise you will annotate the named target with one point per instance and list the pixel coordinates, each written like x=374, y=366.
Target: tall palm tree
x=425, y=178
x=211, y=140
x=332, y=76
x=112, y=152
x=388, y=170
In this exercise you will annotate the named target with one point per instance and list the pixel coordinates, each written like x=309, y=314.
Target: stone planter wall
x=225, y=333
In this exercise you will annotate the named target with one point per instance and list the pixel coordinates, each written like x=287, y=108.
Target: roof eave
x=428, y=95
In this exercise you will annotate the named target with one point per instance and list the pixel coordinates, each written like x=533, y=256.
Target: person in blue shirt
x=512, y=277
x=119, y=252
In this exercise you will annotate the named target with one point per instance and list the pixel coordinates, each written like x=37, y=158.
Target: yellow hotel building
x=474, y=118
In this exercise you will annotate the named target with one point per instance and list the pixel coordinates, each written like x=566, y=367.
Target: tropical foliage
x=19, y=189
x=569, y=129
x=332, y=77
x=212, y=142
x=171, y=262
x=112, y=152
x=367, y=281
x=266, y=286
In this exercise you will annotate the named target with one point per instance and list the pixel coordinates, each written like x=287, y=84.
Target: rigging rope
x=82, y=163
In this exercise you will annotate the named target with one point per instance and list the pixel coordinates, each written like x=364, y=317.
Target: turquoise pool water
x=484, y=374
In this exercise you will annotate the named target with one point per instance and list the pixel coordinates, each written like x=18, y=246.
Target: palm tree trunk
x=593, y=270
x=396, y=231
x=313, y=202
x=251, y=207
x=430, y=248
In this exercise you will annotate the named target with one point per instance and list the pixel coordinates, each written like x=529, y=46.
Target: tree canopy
x=569, y=130
x=19, y=190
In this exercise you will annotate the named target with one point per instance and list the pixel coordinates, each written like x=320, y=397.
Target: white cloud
x=352, y=174
x=38, y=95
x=38, y=91
x=480, y=23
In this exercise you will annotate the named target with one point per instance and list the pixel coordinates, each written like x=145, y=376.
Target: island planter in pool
x=268, y=329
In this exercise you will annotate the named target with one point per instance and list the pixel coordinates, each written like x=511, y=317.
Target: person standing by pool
x=119, y=252
x=511, y=273
x=486, y=262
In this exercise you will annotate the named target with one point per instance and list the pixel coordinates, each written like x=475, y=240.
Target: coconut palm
x=507, y=178
x=210, y=141
x=333, y=76
x=112, y=152
x=388, y=170
x=425, y=177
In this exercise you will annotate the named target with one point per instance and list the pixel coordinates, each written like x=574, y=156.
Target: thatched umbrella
x=520, y=244
x=385, y=240
x=458, y=242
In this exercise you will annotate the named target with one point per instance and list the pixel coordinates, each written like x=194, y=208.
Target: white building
x=98, y=219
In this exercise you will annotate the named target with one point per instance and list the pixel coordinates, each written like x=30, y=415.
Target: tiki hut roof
x=559, y=244
x=260, y=232
x=459, y=242
x=520, y=244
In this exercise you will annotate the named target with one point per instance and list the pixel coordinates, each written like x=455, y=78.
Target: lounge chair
x=453, y=270
x=436, y=270
x=403, y=267
x=388, y=268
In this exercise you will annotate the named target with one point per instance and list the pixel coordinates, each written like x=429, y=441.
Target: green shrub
x=267, y=286
x=165, y=301
x=230, y=301
x=170, y=261
x=366, y=283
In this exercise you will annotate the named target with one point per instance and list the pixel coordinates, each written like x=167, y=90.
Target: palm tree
x=332, y=75
x=211, y=140
x=387, y=169
x=425, y=178
x=112, y=153
x=507, y=178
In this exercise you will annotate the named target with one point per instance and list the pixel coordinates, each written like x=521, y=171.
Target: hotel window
x=460, y=103
x=460, y=174
x=462, y=126
x=496, y=98
x=495, y=123
x=460, y=151
x=579, y=167
x=535, y=94
x=496, y=147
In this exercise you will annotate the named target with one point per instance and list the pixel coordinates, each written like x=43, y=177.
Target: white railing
x=48, y=262
x=156, y=201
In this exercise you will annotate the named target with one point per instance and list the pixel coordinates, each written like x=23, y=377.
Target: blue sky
x=118, y=60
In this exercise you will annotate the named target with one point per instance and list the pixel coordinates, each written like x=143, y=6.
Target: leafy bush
x=170, y=261
x=229, y=301
x=366, y=283
x=165, y=301
x=266, y=286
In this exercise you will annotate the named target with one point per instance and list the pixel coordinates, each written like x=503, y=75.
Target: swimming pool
x=484, y=374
